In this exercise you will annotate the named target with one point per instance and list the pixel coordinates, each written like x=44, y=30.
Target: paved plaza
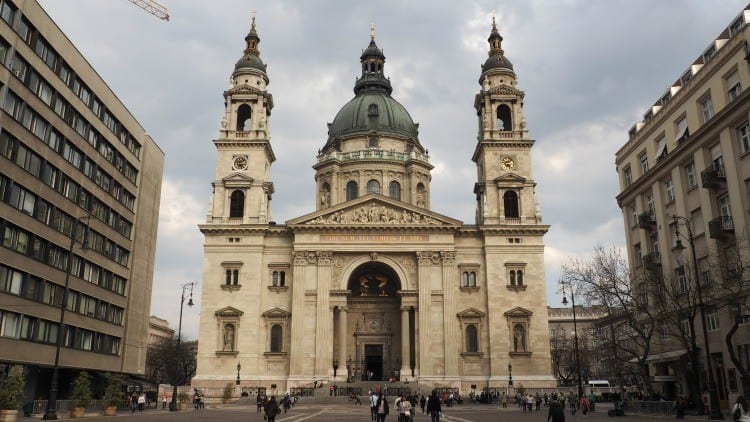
x=347, y=412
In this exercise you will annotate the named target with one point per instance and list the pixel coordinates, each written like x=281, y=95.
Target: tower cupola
x=251, y=55
x=496, y=59
x=373, y=61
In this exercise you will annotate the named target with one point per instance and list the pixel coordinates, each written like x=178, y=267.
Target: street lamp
x=575, y=336
x=173, y=403
x=51, y=411
x=238, y=373
x=510, y=375
x=715, y=413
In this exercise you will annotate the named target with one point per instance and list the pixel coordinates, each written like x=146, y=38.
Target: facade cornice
x=500, y=144
x=507, y=229
x=237, y=229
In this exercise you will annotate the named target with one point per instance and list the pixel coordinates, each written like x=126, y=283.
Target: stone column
x=296, y=346
x=424, y=360
x=450, y=282
x=405, y=369
x=323, y=322
x=342, y=372
x=416, y=342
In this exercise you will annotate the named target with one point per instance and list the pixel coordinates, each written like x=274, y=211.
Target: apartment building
x=685, y=182
x=80, y=186
x=591, y=356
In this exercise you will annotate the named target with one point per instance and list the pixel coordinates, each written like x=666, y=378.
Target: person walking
x=133, y=402
x=433, y=407
x=584, y=404
x=141, y=402
x=740, y=410
x=555, y=412
x=374, y=407
x=164, y=401
x=382, y=408
x=422, y=403
x=272, y=409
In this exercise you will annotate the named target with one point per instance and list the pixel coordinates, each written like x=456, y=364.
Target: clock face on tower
x=239, y=162
x=507, y=163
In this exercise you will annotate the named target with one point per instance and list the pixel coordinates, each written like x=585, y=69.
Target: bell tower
x=505, y=187
x=242, y=186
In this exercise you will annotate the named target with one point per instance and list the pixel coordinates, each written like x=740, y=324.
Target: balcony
x=721, y=227
x=647, y=220
x=652, y=261
x=713, y=177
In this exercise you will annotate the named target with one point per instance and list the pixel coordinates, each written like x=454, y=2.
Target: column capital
x=305, y=257
x=406, y=308
x=342, y=308
x=325, y=257
x=449, y=257
x=428, y=257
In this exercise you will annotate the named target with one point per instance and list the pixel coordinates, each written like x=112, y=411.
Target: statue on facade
x=228, y=338
x=518, y=339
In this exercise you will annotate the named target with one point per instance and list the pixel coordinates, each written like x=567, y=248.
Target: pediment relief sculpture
x=375, y=214
x=507, y=90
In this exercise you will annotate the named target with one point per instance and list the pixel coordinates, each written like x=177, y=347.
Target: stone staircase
x=322, y=394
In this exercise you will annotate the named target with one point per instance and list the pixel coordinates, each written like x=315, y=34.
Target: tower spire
x=372, y=31
x=495, y=39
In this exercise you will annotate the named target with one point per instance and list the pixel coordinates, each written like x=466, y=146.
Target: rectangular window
x=690, y=178
x=627, y=174
x=681, y=130
x=11, y=327
x=7, y=12
x=696, y=221
x=669, y=191
x=743, y=136
x=707, y=109
x=643, y=159
x=637, y=254
x=732, y=83
x=661, y=148
x=712, y=319
x=682, y=284
x=685, y=326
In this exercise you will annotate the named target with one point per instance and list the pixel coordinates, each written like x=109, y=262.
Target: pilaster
x=424, y=362
x=296, y=347
x=323, y=321
x=450, y=282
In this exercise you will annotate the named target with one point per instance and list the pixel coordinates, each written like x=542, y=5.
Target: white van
x=599, y=386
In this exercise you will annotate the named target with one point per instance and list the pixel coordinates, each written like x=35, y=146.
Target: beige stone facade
x=689, y=158
x=74, y=164
x=373, y=281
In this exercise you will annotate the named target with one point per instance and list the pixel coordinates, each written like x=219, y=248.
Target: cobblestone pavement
x=304, y=412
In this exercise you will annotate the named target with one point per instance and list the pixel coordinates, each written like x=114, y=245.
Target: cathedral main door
x=374, y=310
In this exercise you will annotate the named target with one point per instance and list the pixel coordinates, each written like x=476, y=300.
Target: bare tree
x=563, y=356
x=606, y=280
x=160, y=361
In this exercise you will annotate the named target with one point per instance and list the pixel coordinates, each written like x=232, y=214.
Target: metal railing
x=373, y=154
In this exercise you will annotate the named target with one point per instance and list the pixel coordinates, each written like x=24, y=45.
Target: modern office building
x=685, y=179
x=373, y=284
x=80, y=186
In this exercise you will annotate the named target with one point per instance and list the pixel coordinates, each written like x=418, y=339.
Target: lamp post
x=173, y=403
x=575, y=336
x=715, y=413
x=51, y=411
x=510, y=375
x=238, y=373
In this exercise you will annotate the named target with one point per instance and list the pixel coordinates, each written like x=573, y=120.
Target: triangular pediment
x=518, y=312
x=374, y=210
x=276, y=313
x=506, y=90
x=510, y=178
x=236, y=180
x=229, y=311
x=470, y=313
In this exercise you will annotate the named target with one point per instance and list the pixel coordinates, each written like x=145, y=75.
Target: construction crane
x=152, y=7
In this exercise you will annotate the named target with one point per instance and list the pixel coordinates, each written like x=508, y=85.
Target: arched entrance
x=374, y=311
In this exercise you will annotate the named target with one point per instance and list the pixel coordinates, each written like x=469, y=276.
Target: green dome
x=250, y=61
x=372, y=111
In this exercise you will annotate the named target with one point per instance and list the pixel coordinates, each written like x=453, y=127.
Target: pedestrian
x=573, y=403
x=433, y=407
x=164, y=401
x=141, y=402
x=555, y=412
x=330, y=390
x=740, y=410
x=422, y=403
x=373, y=407
x=259, y=403
x=538, y=400
x=272, y=409
x=680, y=407
x=584, y=404
x=505, y=401
x=382, y=408
x=133, y=402
x=592, y=400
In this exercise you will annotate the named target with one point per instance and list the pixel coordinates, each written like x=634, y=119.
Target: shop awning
x=663, y=356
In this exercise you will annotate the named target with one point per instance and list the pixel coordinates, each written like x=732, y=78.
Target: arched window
x=472, y=279
x=512, y=276
x=235, y=277
x=237, y=204
x=276, y=279
x=472, y=343
x=519, y=277
x=503, y=118
x=373, y=186
x=243, y=117
x=228, y=280
x=282, y=278
x=394, y=190
x=510, y=200
x=276, y=338
x=352, y=190
x=465, y=279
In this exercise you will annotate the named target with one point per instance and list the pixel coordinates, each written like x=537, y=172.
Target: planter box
x=77, y=412
x=8, y=415
x=110, y=411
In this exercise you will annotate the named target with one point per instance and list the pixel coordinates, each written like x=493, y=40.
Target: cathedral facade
x=373, y=285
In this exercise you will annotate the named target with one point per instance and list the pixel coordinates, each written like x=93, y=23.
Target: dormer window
x=372, y=110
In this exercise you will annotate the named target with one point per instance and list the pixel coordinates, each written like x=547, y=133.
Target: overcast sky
x=590, y=69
